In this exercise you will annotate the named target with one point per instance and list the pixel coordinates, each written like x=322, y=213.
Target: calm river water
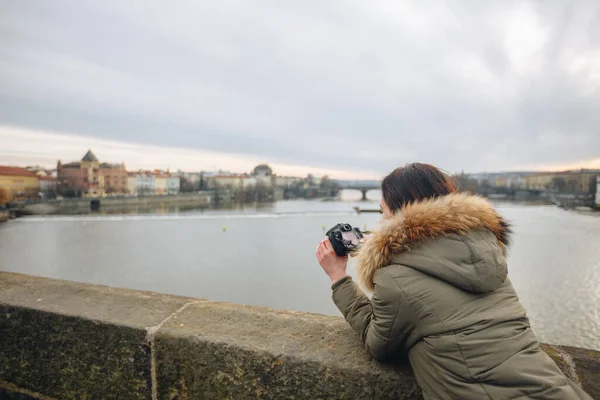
x=266, y=257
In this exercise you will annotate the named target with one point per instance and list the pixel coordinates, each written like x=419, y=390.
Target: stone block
x=582, y=366
x=225, y=351
x=75, y=341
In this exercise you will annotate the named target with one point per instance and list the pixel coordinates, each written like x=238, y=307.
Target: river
x=265, y=256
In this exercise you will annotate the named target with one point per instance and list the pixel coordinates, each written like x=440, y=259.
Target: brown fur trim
x=455, y=213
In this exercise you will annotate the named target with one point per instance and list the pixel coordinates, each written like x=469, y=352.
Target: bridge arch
x=362, y=186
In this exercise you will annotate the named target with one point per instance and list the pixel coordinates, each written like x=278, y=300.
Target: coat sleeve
x=384, y=323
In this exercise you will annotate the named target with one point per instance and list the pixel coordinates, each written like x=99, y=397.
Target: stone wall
x=66, y=340
x=82, y=205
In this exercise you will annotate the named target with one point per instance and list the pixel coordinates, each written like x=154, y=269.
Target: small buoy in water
x=224, y=229
x=324, y=227
x=364, y=227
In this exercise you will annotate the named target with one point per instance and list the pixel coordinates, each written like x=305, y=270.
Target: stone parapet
x=67, y=340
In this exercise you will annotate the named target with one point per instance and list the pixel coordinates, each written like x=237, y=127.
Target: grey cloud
x=348, y=85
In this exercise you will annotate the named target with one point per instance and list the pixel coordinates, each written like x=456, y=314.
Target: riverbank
x=124, y=205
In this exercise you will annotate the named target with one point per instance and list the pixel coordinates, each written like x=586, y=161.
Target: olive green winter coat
x=441, y=295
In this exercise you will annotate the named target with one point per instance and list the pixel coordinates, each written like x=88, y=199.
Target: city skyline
x=136, y=157
x=148, y=157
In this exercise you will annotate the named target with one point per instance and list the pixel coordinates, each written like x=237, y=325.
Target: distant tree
x=50, y=193
x=592, y=185
x=3, y=196
x=263, y=193
x=484, y=187
x=65, y=190
x=558, y=184
x=31, y=193
x=146, y=191
x=329, y=186
x=572, y=186
x=466, y=184
x=186, y=185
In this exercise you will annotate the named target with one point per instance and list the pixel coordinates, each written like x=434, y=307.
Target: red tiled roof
x=15, y=171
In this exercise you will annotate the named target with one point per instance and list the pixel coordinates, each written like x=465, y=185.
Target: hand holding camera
x=344, y=238
x=332, y=252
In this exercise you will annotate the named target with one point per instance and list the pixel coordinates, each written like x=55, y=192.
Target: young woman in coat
x=438, y=273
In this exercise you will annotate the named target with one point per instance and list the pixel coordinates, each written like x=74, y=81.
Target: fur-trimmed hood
x=456, y=213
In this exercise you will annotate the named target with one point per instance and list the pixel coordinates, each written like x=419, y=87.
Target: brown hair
x=415, y=182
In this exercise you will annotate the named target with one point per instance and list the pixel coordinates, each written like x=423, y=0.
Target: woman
x=441, y=294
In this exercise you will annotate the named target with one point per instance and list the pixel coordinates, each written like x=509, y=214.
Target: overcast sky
x=352, y=88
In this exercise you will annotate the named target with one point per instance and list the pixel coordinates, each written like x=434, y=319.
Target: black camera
x=344, y=238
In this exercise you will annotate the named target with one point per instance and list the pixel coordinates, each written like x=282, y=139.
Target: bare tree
x=467, y=184
x=186, y=185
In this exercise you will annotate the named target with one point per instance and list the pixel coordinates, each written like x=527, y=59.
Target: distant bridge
x=362, y=186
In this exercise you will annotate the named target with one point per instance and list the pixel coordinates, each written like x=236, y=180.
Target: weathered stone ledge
x=66, y=340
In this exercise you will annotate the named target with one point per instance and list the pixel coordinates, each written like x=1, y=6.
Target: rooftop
x=15, y=171
x=570, y=171
x=89, y=156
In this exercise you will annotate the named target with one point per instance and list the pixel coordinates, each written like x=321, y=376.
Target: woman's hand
x=334, y=266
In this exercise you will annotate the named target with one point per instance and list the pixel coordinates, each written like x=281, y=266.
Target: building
x=90, y=178
x=505, y=180
x=517, y=181
x=226, y=182
x=173, y=184
x=115, y=178
x=40, y=171
x=581, y=181
x=17, y=184
x=286, y=181
x=160, y=182
x=83, y=177
x=148, y=183
x=145, y=183
x=539, y=181
x=47, y=184
x=262, y=170
x=132, y=183
x=263, y=175
x=250, y=181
